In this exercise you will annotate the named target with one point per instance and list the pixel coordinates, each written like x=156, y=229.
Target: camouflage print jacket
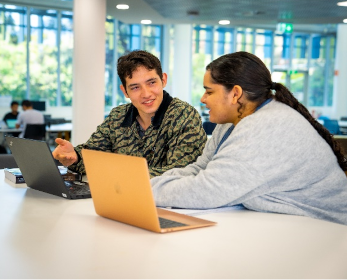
x=175, y=137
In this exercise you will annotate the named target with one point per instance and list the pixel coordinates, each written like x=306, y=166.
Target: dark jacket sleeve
x=186, y=140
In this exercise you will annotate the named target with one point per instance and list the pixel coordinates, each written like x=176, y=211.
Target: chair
x=47, y=118
x=7, y=161
x=323, y=118
x=35, y=131
x=208, y=127
x=332, y=126
x=56, y=120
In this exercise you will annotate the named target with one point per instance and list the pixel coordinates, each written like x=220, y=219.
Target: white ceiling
x=304, y=14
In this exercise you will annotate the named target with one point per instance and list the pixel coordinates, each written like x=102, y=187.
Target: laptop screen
x=11, y=123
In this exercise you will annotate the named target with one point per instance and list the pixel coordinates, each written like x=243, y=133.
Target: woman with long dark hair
x=266, y=153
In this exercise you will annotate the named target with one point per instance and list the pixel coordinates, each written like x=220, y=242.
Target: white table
x=65, y=128
x=343, y=124
x=43, y=236
x=4, y=131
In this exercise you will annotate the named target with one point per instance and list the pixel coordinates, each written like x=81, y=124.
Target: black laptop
x=39, y=169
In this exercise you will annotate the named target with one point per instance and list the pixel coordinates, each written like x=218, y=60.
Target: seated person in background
x=14, y=112
x=267, y=152
x=164, y=130
x=12, y=116
x=28, y=116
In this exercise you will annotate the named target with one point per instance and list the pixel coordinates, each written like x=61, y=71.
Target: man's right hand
x=65, y=152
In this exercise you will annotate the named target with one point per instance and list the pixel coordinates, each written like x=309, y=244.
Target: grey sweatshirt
x=273, y=161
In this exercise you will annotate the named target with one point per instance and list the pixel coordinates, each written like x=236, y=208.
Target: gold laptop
x=121, y=190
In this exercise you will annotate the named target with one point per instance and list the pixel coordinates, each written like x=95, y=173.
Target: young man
x=164, y=130
x=14, y=112
x=28, y=116
x=12, y=116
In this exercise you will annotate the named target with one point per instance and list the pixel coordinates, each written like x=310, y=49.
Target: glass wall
x=40, y=68
x=13, y=51
x=245, y=40
x=36, y=54
x=281, y=54
x=304, y=62
x=202, y=54
x=126, y=38
x=152, y=39
x=110, y=59
x=263, y=45
x=224, y=40
x=64, y=95
x=43, y=50
x=321, y=70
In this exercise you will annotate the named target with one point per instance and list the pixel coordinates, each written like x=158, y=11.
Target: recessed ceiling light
x=344, y=3
x=146, y=21
x=224, y=22
x=345, y=20
x=122, y=6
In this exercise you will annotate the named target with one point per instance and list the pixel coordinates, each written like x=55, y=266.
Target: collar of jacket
x=132, y=113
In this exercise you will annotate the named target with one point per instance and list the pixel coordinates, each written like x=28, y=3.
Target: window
x=126, y=38
x=13, y=54
x=330, y=69
x=36, y=65
x=36, y=52
x=245, y=40
x=202, y=55
x=110, y=61
x=152, y=41
x=223, y=41
x=281, y=58
x=300, y=52
x=43, y=49
x=66, y=53
x=41, y=68
x=322, y=70
x=263, y=46
x=303, y=62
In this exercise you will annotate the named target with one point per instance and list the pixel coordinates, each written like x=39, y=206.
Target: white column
x=340, y=79
x=88, y=68
x=182, y=70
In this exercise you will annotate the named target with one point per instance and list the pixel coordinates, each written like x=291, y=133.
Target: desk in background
x=343, y=124
x=62, y=129
x=4, y=131
x=43, y=236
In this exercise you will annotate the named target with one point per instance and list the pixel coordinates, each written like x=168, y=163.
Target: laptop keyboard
x=165, y=223
x=77, y=188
